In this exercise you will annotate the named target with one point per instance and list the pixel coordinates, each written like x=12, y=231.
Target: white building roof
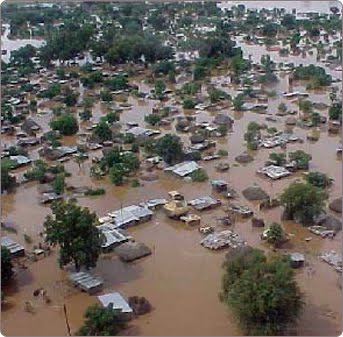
x=116, y=300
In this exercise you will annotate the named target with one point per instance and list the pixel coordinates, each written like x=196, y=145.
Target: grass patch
x=95, y=192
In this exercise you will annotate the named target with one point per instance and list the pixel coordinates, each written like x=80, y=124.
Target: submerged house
x=113, y=236
x=86, y=282
x=117, y=302
x=204, y=203
x=184, y=169
x=130, y=215
x=30, y=127
x=15, y=248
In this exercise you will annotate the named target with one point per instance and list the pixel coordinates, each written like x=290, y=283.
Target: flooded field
x=181, y=279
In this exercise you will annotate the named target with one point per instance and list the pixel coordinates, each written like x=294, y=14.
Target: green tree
x=318, y=179
x=238, y=102
x=66, y=124
x=301, y=159
x=103, y=132
x=315, y=118
x=7, y=180
x=59, y=184
x=305, y=106
x=262, y=294
x=101, y=321
x=335, y=111
x=169, y=147
x=38, y=171
x=6, y=266
x=188, y=103
x=117, y=174
x=159, y=89
x=70, y=97
x=275, y=234
x=302, y=202
x=278, y=158
x=74, y=229
x=199, y=175
x=112, y=117
x=152, y=119
x=106, y=95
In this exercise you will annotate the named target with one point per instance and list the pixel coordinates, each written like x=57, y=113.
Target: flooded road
x=181, y=279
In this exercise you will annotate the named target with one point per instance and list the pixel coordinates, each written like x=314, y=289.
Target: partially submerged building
x=204, y=203
x=274, y=172
x=116, y=301
x=183, y=169
x=16, y=249
x=86, y=282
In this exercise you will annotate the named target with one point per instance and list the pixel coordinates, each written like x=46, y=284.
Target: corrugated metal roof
x=117, y=300
x=11, y=245
x=184, y=168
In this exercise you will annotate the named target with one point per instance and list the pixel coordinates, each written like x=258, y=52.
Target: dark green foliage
x=70, y=97
x=159, y=89
x=238, y=102
x=262, y=294
x=38, y=171
x=117, y=174
x=318, y=179
x=7, y=181
x=216, y=95
x=152, y=119
x=301, y=158
x=117, y=83
x=131, y=48
x=74, y=229
x=106, y=96
x=101, y=321
x=103, y=132
x=169, y=147
x=289, y=21
x=59, y=184
x=302, y=201
x=315, y=74
x=190, y=88
x=270, y=29
x=112, y=117
x=275, y=234
x=199, y=175
x=6, y=266
x=335, y=111
x=66, y=124
x=53, y=90
x=95, y=191
x=315, y=118
x=278, y=158
x=188, y=103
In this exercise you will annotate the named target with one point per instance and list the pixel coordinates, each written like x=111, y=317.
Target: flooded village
x=152, y=152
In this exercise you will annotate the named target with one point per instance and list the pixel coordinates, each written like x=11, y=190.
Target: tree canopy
x=262, y=294
x=74, y=229
x=169, y=147
x=302, y=202
x=66, y=124
x=101, y=321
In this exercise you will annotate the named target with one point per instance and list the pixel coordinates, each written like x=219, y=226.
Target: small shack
x=117, y=302
x=130, y=251
x=86, y=282
x=297, y=260
x=15, y=248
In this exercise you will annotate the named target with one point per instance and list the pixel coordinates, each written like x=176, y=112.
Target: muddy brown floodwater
x=181, y=278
